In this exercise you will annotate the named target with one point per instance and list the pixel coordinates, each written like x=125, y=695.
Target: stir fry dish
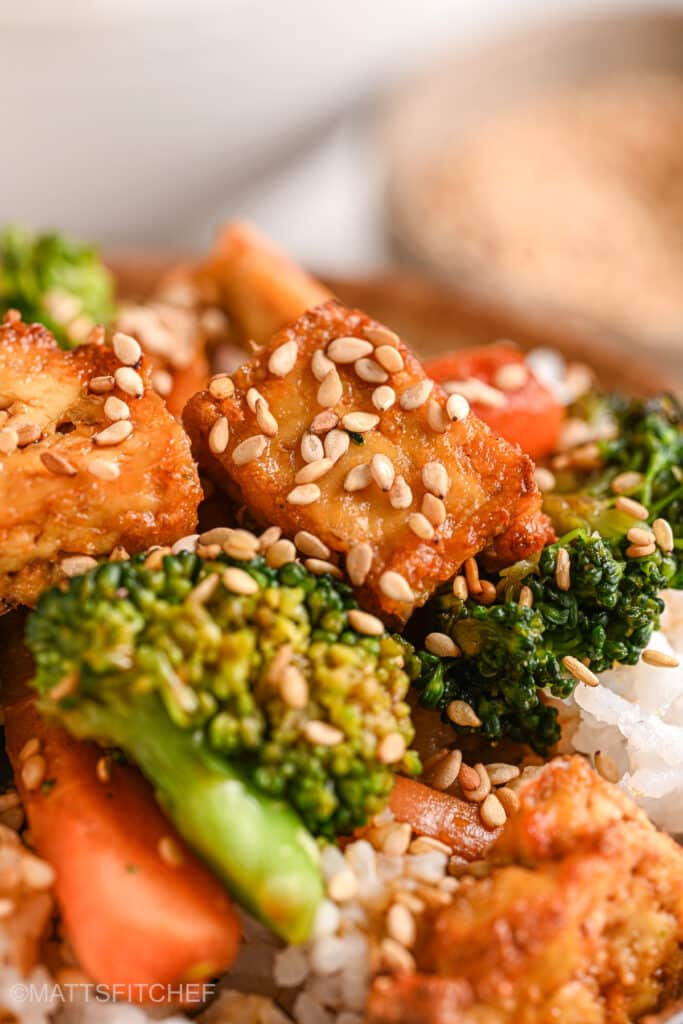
x=316, y=690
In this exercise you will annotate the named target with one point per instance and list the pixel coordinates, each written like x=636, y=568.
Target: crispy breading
x=52, y=509
x=488, y=480
x=580, y=919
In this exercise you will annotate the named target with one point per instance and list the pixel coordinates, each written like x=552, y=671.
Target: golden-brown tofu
x=67, y=487
x=580, y=919
x=362, y=454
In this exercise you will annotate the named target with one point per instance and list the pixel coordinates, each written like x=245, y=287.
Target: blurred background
x=529, y=153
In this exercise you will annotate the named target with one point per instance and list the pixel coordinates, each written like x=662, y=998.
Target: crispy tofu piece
x=61, y=492
x=456, y=486
x=580, y=919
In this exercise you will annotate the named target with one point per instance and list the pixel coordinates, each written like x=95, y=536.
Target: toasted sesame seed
x=420, y=526
x=511, y=376
x=57, y=464
x=103, y=769
x=27, y=433
x=380, y=335
x=312, y=448
x=415, y=397
x=66, y=685
x=437, y=417
x=218, y=535
x=492, y=812
x=170, y=851
x=394, y=838
x=250, y=449
x=304, y=494
x=323, y=422
x=126, y=349
x=365, y=623
x=331, y=390
x=283, y=359
x=585, y=456
x=36, y=873
x=293, y=687
x=268, y=537
x=321, y=567
x=428, y=844
x=445, y=772
x=664, y=535
x=442, y=645
x=395, y=957
x=659, y=658
x=472, y=576
x=156, y=557
x=457, y=407
x=460, y=588
x=310, y=545
x=435, y=479
x=580, y=671
x=509, y=799
x=383, y=397
x=396, y=587
x=382, y=471
x=77, y=565
x=267, y=423
x=390, y=358
x=638, y=535
x=479, y=793
x=219, y=435
x=313, y=471
x=641, y=550
x=434, y=509
x=119, y=554
x=222, y=386
x=33, y=771
x=631, y=508
x=500, y=773
x=358, y=478
x=401, y=925
x=104, y=469
x=253, y=396
x=391, y=748
x=468, y=777
x=462, y=713
x=336, y=444
x=204, y=590
x=9, y=440
x=279, y=663
x=210, y=551
x=526, y=597
x=30, y=747
x=400, y=495
x=101, y=385
x=370, y=371
x=238, y=581
x=545, y=480
x=358, y=562
x=320, y=734
x=476, y=392
x=129, y=381
x=9, y=800
x=342, y=886
x=321, y=365
x=188, y=543
x=563, y=569
x=80, y=328
x=115, y=409
x=360, y=422
x=348, y=350
x=488, y=593
x=238, y=548
x=628, y=481
x=606, y=766
x=280, y=553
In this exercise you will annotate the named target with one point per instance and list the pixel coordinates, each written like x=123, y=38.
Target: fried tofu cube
x=85, y=464
x=334, y=430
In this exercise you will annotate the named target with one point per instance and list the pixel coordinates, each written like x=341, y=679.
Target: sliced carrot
x=441, y=816
x=135, y=918
x=531, y=416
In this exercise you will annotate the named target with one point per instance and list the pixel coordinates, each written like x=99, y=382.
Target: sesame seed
x=396, y=587
x=330, y=391
x=436, y=417
x=383, y=398
x=401, y=925
x=511, y=376
x=395, y=957
x=563, y=569
x=664, y=535
x=444, y=772
x=545, y=480
x=222, y=386
x=267, y=423
x=348, y=350
x=323, y=422
x=79, y=329
x=77, y=565
x=66, y=685
x=283, y=359
x=580, y=671
x=420, y=526
x=129, y=381
x=33, y=771
x=9, y=440
x=659, y=658
x=320, y=734
x=119, y=554
x=435, y=479
x=380, y=335
x=170, y=851
x=30, y=747
x=204, y=590
x=237, y=581
x=156, y=557
x=293, y=687
x=126, y=349
x=390, y=358
x=9, y=800
x=628, y=481
x=416, y=396
x=312, y=448
x=115, y=409
x=342, y=886
x=250, y=449
x=488, y=594
x=188, y=543
x=391, y=748
x=37, y=874
x=218, y=535
x=57, y=464
x=336, y=444
x=382, y=471
x=468, y=777
x=162, y=382
x=526, y=597
x=442, y=645
x=638, y=535
x=370, y=371
x=219, y=435
x=210, y=551
x=472, y=576
x=492, y=812
x=358, y=562
x=358, y=478
x=606, y=766
x=27, y=433
x=457, y=407
x=365, y=623
x=631, y=508
x=360, y=422
x=476, y=392
x=313, y=471
x=253, y=396
x=640, y=550
x=429, y=844
x=462, y=713
x=96, y=336
x=280, y=553
x=103, y=769
x=239, y=546
x=460, y=588
x=479, y=793
x=269, y=537
x=304, y=494
x=395, y=838
x=433, y=509
x=101, y=385
x=321, y=567
x=321, y=365
x=310, y=545
x=509, y=799
x=400, y=495
x=500, y=773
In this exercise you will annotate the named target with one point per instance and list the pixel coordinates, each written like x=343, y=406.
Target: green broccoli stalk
x=56, y=281
x=245, y=695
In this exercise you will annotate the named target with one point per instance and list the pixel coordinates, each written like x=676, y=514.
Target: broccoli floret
x=56, y=281
x=253, y=706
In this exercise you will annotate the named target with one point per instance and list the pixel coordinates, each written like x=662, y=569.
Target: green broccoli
x=56, y=281
x=260, y=715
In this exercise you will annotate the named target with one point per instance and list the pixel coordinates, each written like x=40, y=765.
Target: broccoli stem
x=257, y=845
